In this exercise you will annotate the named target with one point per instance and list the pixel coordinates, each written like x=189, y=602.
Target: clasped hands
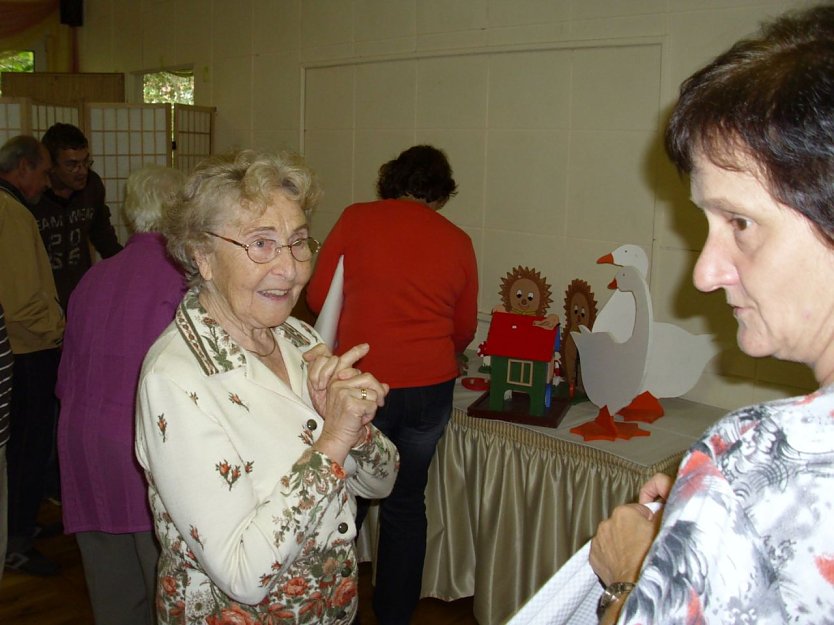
x=345, y=397
x=622, y=541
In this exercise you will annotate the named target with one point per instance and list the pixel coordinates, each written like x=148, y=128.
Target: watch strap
x=611, y=595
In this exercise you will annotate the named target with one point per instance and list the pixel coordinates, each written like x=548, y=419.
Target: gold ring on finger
x=363, y=393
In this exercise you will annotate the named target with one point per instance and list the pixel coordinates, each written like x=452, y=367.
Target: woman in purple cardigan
x=117, y=311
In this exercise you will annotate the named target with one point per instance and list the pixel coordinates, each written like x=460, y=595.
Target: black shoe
x=32, y=562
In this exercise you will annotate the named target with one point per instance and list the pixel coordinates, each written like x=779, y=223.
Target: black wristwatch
x=612, y=594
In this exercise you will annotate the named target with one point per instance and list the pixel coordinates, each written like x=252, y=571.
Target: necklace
x=271, y=351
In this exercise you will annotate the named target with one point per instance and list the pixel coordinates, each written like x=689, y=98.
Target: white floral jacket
x=254, y=526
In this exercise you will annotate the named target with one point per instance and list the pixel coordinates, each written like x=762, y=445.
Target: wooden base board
x=517, y=410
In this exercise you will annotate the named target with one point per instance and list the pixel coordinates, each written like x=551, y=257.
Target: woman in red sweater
x=410, y=291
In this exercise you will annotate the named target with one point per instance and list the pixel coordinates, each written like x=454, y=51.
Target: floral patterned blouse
x=255, y=526
x=748, y=531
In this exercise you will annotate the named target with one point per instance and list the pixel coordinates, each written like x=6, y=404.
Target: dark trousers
x=414, y=419
x=120, y=570
x=31, y=432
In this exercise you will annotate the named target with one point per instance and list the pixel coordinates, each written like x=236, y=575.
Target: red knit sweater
x=411, y=289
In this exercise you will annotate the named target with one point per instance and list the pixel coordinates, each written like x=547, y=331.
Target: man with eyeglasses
x=73, y=214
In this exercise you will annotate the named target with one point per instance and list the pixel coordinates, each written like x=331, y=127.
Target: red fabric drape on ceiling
x=17, y=17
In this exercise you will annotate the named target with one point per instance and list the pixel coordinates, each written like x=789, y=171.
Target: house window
x=17, y=61
x=520, y=372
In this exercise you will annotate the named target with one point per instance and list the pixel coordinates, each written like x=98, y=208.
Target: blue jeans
x=414, y=419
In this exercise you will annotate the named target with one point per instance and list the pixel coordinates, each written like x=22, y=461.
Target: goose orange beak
x=608, y=259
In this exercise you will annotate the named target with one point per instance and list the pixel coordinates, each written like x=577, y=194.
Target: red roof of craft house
x=514, y=336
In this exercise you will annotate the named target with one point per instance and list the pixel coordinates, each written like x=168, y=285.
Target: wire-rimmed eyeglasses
x=265, y=250
x=74, y=166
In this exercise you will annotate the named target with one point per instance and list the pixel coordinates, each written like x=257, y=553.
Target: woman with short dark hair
x=745, y=534
x=410, y=291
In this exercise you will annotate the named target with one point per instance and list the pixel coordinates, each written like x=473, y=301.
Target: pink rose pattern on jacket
x=320, y=585
x=747, y=534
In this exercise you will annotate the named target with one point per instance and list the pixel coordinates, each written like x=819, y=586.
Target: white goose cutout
x=675, y=358
x=614, y=371
x=617, y=316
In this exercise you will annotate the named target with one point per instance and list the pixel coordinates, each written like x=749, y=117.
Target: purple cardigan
x=116, y=312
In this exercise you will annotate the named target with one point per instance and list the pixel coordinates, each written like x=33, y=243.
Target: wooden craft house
x=521, y=356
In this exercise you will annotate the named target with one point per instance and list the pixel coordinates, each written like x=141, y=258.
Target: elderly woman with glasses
x=254, y=438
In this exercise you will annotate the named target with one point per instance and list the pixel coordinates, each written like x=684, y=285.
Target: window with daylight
x=192, y=130
x=172, y=87
x=17, y=61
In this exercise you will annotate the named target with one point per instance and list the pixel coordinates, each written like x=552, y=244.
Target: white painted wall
x=551, y=112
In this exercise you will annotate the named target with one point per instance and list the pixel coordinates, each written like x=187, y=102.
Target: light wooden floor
x=62, y=600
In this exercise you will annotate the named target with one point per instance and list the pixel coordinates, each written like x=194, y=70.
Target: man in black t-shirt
x=73, y=214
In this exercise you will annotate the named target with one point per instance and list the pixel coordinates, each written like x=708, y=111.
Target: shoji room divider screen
x=193, y=135
x=122, y=137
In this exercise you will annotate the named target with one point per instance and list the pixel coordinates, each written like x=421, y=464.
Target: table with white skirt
x=508, y=504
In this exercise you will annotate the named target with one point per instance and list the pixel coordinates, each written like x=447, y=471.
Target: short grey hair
x=21, y=147
x=149, y=192
x=221, y=187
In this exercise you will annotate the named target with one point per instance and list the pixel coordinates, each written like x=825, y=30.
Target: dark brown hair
x=769, y=98
x=422, y=172
x=62, y=136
